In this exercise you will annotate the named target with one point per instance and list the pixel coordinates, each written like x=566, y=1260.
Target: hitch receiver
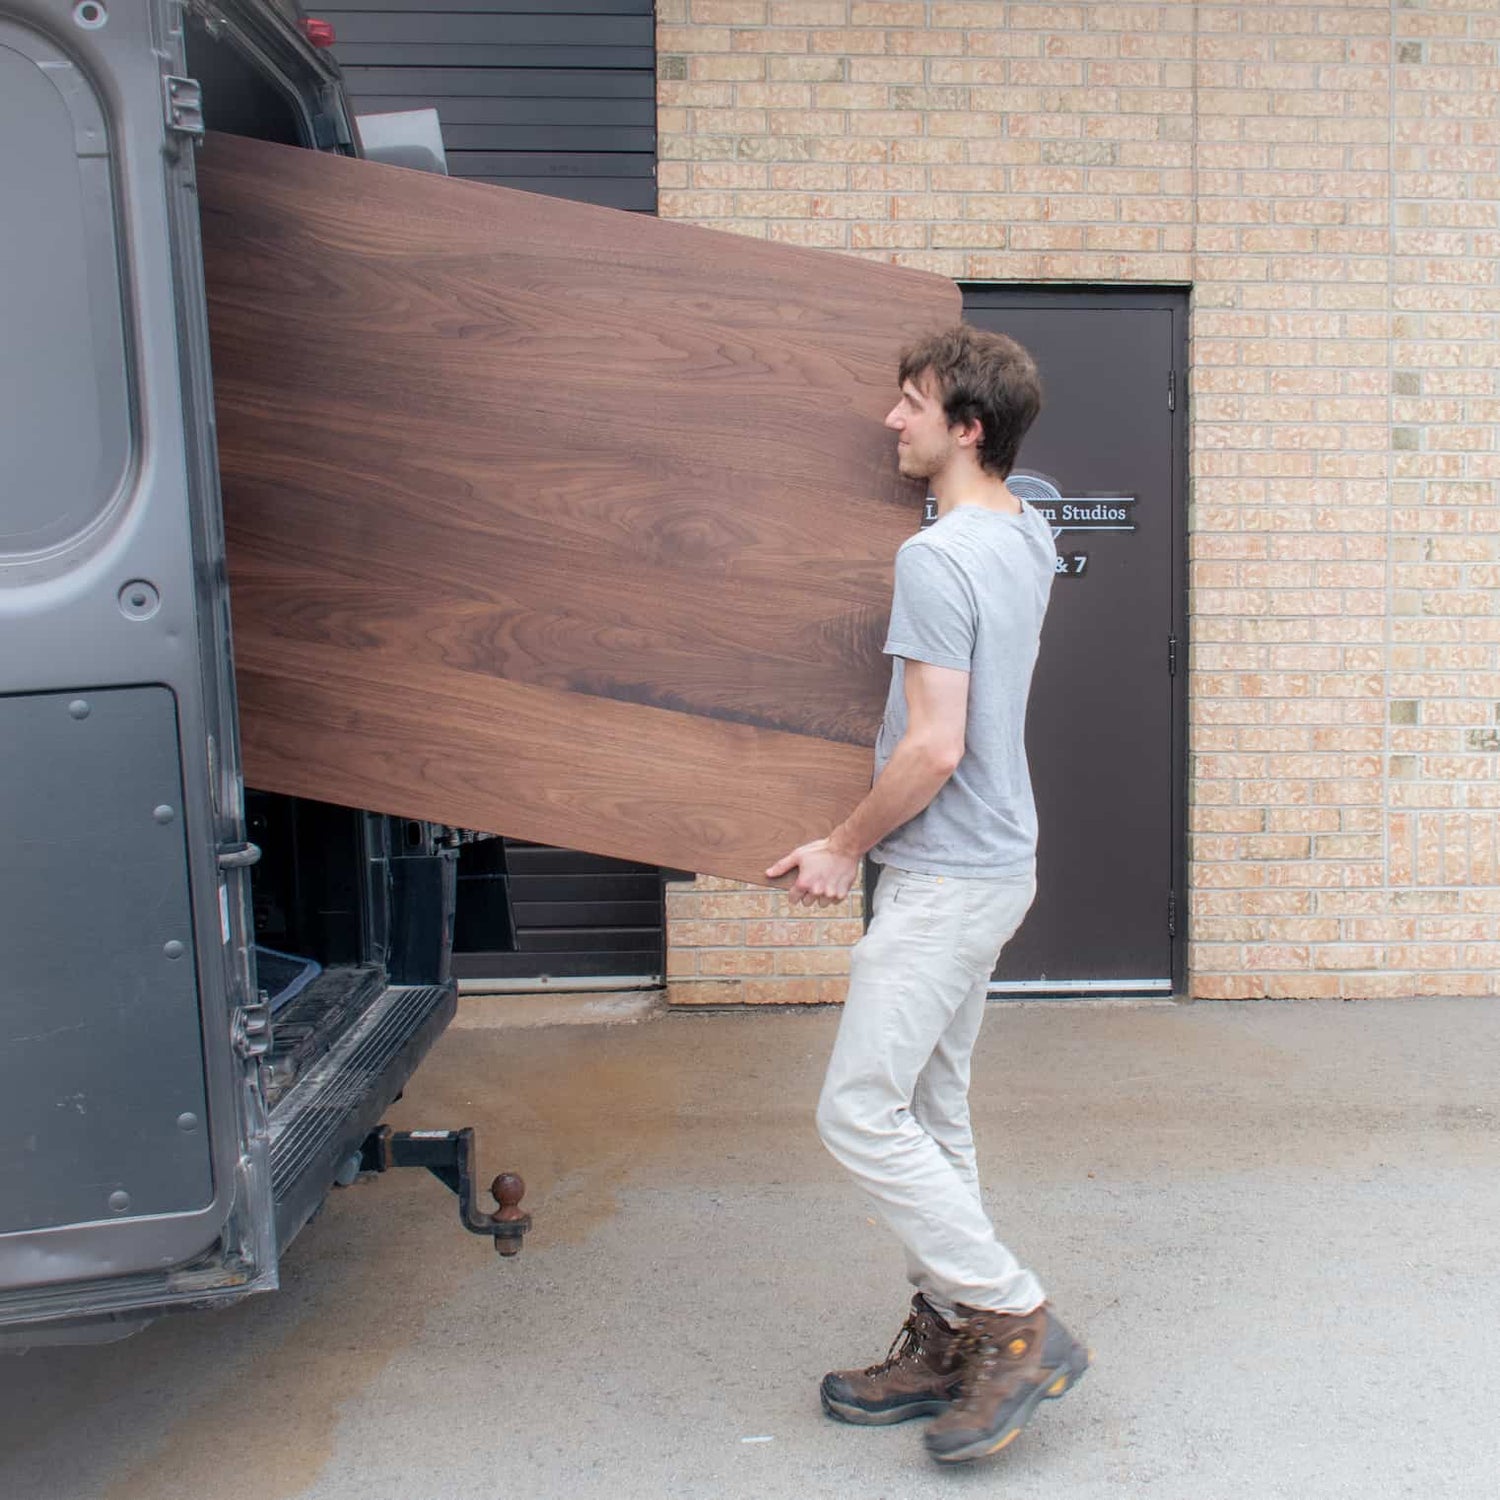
x=449, y=1156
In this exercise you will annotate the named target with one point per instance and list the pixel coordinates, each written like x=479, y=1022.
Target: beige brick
x=809, y=12
x=810, y=176
x=887, y=236
x=785, y=122
x=759, y=96
x=735, y=962
x=785, y=933
x=798, y=69
x=715, y=67
x=922, y=43
x=735, y=904
x=800, y=232
x=824, y=961
x=964, y=13
x=851, y=96
x=887, y=13
x=847, y=41
x=728, y=12
x=1206, y=986
x=721, y=174
x=779, y=991
x=907, y=70
x=721, y=934
x=704, y=992
x=770, y=39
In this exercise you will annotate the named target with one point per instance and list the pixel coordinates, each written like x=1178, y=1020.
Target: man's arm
x=937, y=709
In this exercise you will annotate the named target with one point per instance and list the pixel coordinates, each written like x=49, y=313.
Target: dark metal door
x=1104, y=734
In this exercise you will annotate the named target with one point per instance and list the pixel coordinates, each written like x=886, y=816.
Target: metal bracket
x=449, y=1156
x=252, y=1028
x=184, y=106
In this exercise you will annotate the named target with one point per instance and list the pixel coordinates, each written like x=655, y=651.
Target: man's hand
x=824, y=873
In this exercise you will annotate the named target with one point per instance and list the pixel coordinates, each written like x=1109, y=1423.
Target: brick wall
x=1442, y=922
x=729, y=944
x=1327, y=179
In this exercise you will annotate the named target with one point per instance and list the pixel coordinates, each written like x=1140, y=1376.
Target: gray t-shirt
x=971, y=591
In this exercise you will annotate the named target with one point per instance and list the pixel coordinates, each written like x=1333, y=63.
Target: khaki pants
x=895, y=1104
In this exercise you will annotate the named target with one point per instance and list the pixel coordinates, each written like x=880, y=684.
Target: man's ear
x=971, y=434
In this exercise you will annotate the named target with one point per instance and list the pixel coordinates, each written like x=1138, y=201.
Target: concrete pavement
x=1277, y=1224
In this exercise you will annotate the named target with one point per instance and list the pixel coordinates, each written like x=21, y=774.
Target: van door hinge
x=1171, y=390
x=1171, y=913
x=1171, y=656
x=184, y=106
x=252, y=1028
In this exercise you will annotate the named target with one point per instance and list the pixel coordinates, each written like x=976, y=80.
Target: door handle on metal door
x=239, y=856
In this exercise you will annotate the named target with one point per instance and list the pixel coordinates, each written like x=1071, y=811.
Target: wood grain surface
x=549, y=520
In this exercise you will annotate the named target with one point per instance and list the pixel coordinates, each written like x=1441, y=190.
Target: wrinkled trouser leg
x=940, y=1105
x=894, y=1108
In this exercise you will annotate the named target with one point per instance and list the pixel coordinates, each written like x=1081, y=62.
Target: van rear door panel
x=106, y=1114
x=133, y=1158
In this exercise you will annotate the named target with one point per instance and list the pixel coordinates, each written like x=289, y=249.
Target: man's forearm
x=913, y=776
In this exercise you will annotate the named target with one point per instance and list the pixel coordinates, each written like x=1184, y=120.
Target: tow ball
x=449, y=1156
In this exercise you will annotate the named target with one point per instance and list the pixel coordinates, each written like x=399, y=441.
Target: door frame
x=1176, y=300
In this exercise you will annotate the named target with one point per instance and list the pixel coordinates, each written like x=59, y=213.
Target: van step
x=316, y=1020
x=324, y=1118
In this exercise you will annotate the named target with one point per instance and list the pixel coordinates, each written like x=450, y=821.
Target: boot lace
x=979, y=1353
x=977, y=1356
x=906, y=1345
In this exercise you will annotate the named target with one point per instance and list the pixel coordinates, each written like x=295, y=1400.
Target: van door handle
x=239, y=856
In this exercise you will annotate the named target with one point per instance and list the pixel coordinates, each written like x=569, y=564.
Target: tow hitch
x=449, y=1156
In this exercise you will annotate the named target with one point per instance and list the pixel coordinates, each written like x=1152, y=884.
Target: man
x=951, y=820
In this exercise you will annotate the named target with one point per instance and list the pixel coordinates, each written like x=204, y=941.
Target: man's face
x=925, y=441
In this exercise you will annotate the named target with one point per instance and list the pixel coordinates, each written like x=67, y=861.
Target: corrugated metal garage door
x=527, y=912
x=556, y=97
x=550, y=96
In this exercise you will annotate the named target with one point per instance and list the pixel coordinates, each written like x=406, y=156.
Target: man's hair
x=985, y=378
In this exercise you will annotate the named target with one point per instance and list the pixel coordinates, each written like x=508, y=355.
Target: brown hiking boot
x=1011, y=1363
x=918, y=1377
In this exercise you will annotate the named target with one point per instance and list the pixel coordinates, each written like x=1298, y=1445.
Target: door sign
x=1072, y=513
x=1065, y=513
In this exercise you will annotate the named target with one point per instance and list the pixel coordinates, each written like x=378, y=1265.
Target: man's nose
x=893, y=419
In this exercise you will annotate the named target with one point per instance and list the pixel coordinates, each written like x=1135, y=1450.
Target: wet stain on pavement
x=574, y=1118
x=258, y=1389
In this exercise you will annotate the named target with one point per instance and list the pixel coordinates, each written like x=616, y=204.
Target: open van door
x=134, y=1148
